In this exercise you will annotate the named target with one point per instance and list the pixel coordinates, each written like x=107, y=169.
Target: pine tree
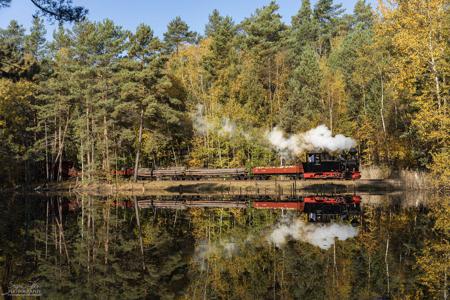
x=304, y=29
x=35, y=42
x=363, y=15
x=303, y=108
x=56, y=107
x=264, y=30
x=147, y=90
x=263, y=36
x=96, y=52
x=177, y=34
x=13, y=62
x=327, y=16
x=61, y=10
x=222, y=32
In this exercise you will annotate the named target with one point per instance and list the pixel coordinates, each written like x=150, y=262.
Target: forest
x=106, y=98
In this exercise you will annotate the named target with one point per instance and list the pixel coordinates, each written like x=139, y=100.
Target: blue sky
x=157, y=14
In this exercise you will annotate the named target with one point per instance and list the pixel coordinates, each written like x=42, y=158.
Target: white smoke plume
x=316, y=139
x=201, y=125
x=284, y=145
x=319, y=235
x=228, y=127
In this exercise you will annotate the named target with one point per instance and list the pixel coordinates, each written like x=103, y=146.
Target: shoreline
x=227, y=186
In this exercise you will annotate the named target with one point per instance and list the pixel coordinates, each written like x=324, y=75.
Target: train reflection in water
x=318, y=208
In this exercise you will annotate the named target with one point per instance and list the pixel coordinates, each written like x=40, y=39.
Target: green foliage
x=328, y=19
x=61, y=10
x=302, y=108
x=105, y=98
x=15, y=63
x=35, y=42
x=440, y=170
x=304, y=30
x=263, y=31
x=178, y=33
x=15, y=111
x=363, y=15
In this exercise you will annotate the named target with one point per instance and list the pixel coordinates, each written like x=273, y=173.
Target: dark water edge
x=209, y=246
x=223, y=185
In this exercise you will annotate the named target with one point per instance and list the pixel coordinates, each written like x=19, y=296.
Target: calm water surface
x=220, y=247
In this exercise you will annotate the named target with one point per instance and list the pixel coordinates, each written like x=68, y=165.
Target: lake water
x=223, y=246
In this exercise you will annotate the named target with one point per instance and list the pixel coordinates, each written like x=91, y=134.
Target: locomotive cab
x=321, y=162
x=324, y=165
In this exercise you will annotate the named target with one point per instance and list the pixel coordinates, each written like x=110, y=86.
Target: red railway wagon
x=289, y=171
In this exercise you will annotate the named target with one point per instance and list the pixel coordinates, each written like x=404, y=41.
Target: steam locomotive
x=318, y=165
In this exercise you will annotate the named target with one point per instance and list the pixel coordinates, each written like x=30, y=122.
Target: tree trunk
x=47, y=173
x=368, y=278
x=219, y=152
x=60, y=143
x=93, y=145
x=88, y=157
x=138, y=222
x=445, y=278
x=138, y=150
x=82, y=217
x=46, y=232
x=270, y=95
x=107, y=231
x=174, y=156
x=330, y=108
x=433, y=68
x=82, y=160
x=382, y=105
x=116, y=164
x=105, y=135
x=364, y=102
x=387, y=265
x=53, y=160
x=61, y=139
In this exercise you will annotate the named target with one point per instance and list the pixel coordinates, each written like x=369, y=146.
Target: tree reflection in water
x=109, y=247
